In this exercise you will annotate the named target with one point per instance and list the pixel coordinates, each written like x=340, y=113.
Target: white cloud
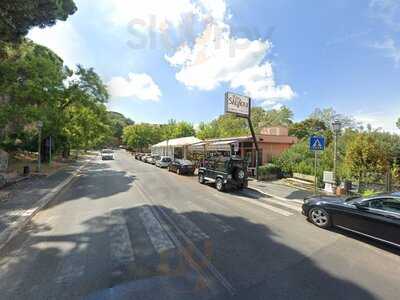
x=217, y=58
x=140, y=86
x=64, y=40
x=159, y=15
x=387, y=11
x=385, y=121
x=390, y=49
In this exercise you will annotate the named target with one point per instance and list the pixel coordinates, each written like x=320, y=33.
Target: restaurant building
x=272, y=141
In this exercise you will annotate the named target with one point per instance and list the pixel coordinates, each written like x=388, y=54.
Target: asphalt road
x=127, y=230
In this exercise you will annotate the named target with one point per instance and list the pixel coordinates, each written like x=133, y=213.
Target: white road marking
x=217, y=221
x=155, y=231
x=266, y=206
x=277, y=197
x=120, y=243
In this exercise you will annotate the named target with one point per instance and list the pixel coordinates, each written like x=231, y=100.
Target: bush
x=368, y=193
x=269, y=171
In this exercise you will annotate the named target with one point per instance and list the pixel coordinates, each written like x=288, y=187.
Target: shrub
x=269, y=172
x=368, y=193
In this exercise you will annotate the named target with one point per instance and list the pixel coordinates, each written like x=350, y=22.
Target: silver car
x=107, y=154
x=163, y=162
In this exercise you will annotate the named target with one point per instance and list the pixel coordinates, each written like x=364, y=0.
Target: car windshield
x=236, y=130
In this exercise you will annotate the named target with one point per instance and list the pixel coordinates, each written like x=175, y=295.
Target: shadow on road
x=97, y=181
x=44, y=263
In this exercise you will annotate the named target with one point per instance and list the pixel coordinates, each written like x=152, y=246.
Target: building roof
x=185, y=141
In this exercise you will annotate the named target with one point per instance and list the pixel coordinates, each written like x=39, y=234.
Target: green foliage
x=297, y=159
x=118, y=121
x=141, y=136
x=35, y=85
x=269, y=169
x=174, y=130
x=228, y=125
x=364, y=154
x=18, y=16
x=307, y=128
x=369, y=193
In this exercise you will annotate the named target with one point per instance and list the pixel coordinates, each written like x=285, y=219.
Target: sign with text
x=317, y=143
x=237, y=104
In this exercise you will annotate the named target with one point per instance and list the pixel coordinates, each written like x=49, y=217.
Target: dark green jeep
x=226, y=172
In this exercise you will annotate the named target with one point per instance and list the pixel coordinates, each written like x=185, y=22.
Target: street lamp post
x=39, y=126
x=336, y=126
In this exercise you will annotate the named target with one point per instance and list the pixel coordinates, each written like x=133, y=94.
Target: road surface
x=127, y=230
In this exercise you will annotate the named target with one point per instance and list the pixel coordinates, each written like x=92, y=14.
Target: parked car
x=225, y=172
x=181, y=166
x=144, y=157
x=107, y=154
x=376, y=217
x=138, y=155
x=153, y=158
x=163, y=162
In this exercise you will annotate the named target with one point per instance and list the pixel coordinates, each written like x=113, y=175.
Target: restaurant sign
x=237, y=104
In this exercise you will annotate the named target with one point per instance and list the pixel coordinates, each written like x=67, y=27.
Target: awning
x=180, y=142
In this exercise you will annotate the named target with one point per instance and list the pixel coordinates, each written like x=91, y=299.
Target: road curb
x=275, y=196
x=7, y=235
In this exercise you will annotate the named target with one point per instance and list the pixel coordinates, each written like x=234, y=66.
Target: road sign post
x=317, y=143
x=241, y=107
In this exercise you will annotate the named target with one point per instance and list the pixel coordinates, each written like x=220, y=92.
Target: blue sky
x=302, y=54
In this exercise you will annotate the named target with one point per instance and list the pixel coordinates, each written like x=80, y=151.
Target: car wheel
x=201, y=178
x=219, y=184
x=319, y=217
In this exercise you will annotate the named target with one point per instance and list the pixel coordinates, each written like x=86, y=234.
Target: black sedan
x=376, y=217
x=181, y=166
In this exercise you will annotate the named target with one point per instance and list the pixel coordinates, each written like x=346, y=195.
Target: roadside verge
x=21, y=217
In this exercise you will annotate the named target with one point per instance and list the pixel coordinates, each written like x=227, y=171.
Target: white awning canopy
x=180, y=142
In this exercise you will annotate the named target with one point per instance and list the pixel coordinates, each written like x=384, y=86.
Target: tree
x=229, y=125
x=364, y=155
x=34, y=85
x=329, y=115
x=141, y=136
x=18, y=16
x=118, y=121
x=398, y=123
x=307, y=128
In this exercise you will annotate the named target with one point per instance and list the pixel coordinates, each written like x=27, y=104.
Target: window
x=386, y=204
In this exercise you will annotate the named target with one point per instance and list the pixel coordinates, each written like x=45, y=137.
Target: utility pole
x=336, y=126
x=39, y=126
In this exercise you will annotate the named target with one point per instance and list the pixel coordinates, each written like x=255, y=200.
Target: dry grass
x=20, y=159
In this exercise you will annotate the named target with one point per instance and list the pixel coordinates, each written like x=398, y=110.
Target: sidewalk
x=279, y=190
x=21, y=201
